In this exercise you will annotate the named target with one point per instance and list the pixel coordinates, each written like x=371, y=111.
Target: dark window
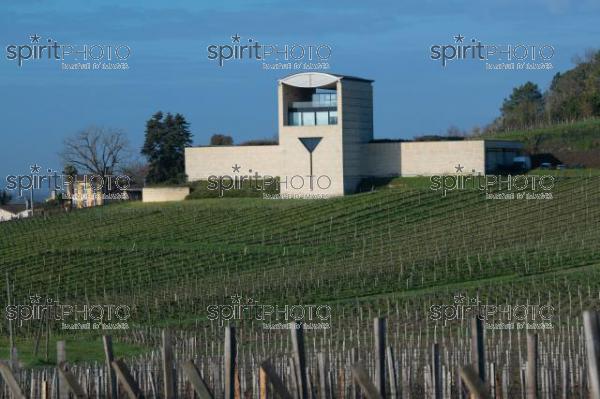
x=333, y=117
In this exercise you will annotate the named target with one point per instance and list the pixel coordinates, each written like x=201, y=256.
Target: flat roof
x=490, y=141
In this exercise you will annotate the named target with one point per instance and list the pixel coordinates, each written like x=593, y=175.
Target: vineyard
x=393, y=254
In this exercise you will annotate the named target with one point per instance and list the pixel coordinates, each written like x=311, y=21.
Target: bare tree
x=96, y=150
x=137, y=170
x=454, y=131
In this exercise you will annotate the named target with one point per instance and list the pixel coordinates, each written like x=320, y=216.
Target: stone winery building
x=326, y=131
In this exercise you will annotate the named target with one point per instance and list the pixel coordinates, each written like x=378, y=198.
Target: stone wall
x=163, y=194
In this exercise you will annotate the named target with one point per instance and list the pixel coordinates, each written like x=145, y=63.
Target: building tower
x=324, y=122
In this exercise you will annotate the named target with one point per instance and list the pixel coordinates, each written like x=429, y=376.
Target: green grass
x=583, y=172
x=580, y=134
x=401, y=183
x=79, y=348
x=227, y=188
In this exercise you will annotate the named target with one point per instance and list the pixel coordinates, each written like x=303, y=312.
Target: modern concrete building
x=326, y=131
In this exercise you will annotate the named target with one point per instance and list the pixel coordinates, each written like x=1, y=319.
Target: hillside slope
x=393, y=252
x=572, y=143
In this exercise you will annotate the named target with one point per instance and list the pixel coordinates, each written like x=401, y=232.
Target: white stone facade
x=337, y=111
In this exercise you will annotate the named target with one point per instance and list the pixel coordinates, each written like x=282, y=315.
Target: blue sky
x=387, y=41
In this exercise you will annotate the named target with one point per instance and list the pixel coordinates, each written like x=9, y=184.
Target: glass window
x=324, y=99
x=294, y=119
x=322, y=118
x=308, y=118
x=333, y=117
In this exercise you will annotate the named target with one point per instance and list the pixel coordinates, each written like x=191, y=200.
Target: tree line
x=572, y=95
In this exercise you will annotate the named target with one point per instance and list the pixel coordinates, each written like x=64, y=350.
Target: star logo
x=35, y=299
x=459, y=38
x=35, y=168
x=459, y=168
x=235, y=38
x=35, y=38
x=459, y=298
x=236, y=168
x=474, y=301
x=236, y=299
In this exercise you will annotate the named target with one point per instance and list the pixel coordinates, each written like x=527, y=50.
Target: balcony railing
x=319, y=100
x=322, y=110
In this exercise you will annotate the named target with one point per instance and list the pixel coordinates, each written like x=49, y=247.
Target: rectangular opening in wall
x=309, y=107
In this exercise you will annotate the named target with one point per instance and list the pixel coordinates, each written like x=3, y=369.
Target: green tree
x=5, y=197
x=164, y=147
x=221, y=139
x=575, y=93
x=523, y=108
